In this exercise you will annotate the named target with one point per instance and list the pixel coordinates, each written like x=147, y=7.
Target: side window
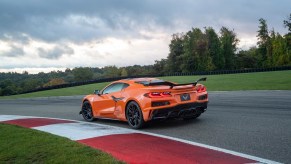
x=114, y=88
x=105, y=91
x=125, y=85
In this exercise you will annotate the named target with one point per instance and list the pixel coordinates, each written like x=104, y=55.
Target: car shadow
x=152, y=125
x=112, y=122
x=170, y=123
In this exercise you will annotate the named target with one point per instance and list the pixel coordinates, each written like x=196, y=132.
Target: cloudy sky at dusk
x=38, y=35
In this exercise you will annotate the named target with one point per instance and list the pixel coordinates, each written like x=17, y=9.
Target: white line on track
x=12, y=117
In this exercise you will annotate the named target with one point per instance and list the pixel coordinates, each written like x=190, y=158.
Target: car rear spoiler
x=194, y=84
x=155, y=83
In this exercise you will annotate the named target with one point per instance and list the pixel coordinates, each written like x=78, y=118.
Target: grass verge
x=21, y=145
x=79, y=90
x=277, y=80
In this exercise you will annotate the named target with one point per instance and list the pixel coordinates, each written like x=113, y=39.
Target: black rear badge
x=185, y=97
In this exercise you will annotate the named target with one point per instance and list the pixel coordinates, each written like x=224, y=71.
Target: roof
x=146, y=79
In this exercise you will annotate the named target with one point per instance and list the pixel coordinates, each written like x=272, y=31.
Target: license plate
x=185, y=97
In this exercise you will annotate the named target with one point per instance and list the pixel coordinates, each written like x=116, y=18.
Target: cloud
x=14, y=51
x=78, y=20
x=66, y=33
x=55, y=53
x=110, y=51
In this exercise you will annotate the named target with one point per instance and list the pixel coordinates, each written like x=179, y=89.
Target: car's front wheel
x=87, y=112
x=134, y=115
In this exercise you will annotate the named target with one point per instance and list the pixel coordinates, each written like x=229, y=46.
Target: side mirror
x=97, y=92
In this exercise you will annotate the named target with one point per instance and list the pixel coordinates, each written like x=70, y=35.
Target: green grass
x=277, y=80
x=21, y=145
x=79, y=90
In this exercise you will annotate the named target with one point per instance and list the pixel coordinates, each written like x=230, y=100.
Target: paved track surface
x=155, y=148
x=252, y=122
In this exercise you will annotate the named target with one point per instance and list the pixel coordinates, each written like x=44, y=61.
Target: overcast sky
x=38, y=35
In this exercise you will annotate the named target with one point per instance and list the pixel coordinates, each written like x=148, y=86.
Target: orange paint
x=111, y=101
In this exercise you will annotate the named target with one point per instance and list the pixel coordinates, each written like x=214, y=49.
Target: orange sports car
x=139, y=100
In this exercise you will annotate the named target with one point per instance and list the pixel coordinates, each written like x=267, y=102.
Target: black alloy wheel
x=87, y=111
x=134, y=115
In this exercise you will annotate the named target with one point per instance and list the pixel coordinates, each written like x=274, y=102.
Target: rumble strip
x=132, y=146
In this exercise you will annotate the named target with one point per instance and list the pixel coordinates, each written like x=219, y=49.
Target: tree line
x=196, y=50
x=14, y=83
x=207, y=50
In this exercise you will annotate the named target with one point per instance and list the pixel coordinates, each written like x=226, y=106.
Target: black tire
x=87, y=111
x=134, y=115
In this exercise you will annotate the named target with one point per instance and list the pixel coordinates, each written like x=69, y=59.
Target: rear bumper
x=182, y=110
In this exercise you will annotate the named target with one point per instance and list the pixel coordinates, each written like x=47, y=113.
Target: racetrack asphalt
x=251, y=122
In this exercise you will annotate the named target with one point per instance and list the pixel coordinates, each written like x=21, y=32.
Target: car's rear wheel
x=134, y=115
x=87, y=112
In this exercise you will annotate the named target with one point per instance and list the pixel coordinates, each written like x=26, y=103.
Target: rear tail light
x=158, y=94
x=200, y=88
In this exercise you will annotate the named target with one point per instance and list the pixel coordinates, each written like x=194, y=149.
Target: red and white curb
x=133, y=146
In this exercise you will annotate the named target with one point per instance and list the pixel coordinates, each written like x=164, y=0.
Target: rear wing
x=161, y=82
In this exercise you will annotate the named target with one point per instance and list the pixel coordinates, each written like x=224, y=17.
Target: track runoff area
x=132, y=146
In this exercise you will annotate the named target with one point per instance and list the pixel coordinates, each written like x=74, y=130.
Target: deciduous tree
x=82, y=73
x=229, y=43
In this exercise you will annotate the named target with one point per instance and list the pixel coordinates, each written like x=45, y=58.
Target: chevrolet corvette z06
x=140, y=100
